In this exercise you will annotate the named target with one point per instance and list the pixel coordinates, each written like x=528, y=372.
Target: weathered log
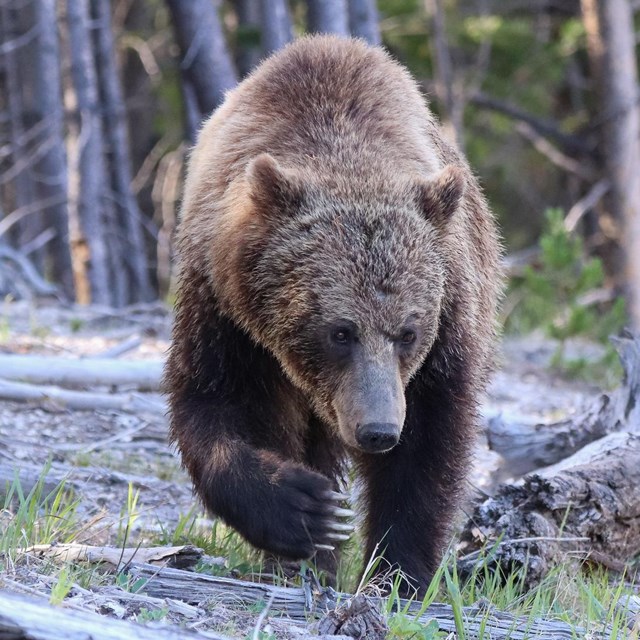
x=588, y=504
x=80, y=400
x=76, y=478
x=22, y=617
x=529, y=444
x=301, y=603
x=81, y=373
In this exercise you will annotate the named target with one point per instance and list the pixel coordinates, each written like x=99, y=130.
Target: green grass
x=586, y=598
x=36, y=517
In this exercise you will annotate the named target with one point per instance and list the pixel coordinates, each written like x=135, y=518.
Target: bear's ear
x=439, y=196
x=273, y=188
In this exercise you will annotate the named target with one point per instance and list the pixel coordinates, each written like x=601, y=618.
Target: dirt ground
x=102, y=452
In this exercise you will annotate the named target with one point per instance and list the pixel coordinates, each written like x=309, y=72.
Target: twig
x=123, y=347
x=555, y=155
x=33, y=278
x=513, y=541
x=262, y=616
x=587, y=202
x=569, y=143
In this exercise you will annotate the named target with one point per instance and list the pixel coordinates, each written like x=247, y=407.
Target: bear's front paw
x=306, y=516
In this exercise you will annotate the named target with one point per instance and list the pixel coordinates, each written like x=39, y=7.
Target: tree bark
x=276, y=25
x=20, y=157
x=205, y=59
x=90, y=248
x=247, y=35
x=327, y=16
x=80, y=373
x=452, y=104
x=130, y=237
x=611, y=45
x=363, y=20
x=52, y=168
x=588, y=504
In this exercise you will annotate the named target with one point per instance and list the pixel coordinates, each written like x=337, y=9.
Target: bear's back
x=329, y=106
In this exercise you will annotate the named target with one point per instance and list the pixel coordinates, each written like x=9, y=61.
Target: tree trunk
x=89, y=245
x=205, y=59
x=363, y=20
x=52, y=168
x=451, y=104
x=129, y=228
x=611, y=44
x=247, y=35
x=276, y=25
x=327, y=16
x=20, y=157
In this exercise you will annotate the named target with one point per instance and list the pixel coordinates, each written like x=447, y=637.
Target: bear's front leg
x=278, y=505
x=411, y=492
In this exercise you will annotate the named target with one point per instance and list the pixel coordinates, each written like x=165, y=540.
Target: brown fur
x=322, y=191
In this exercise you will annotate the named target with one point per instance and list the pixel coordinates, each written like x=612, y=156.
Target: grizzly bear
x=338, y=280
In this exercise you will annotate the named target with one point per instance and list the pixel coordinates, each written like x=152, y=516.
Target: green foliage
x=553, y=296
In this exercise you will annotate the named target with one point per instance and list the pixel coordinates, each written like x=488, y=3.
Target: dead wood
x=182, y=556
x=56, y=397
x=299, y=603
x=82, y=373
x=80, y=479
x=527, y=445
x=22, y=617
x=587, y=506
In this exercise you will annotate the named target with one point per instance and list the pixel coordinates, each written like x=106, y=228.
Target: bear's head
x=345, y=291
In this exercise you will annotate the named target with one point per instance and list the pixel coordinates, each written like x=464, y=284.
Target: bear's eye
x=341, y=336
x=408, y=337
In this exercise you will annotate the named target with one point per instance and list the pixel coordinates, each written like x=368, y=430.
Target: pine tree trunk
x=247, y=35
x=89, y=246
x=205, y=59
x=611, y=45
x=327, y=16
x=363, y=20
x=128, y=221
x=52, y=168
x=20, y=185
x=276, y=25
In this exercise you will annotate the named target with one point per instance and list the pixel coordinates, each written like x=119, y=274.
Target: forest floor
x=128, y=489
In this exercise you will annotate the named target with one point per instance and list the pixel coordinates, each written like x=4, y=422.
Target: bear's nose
x=377, y=437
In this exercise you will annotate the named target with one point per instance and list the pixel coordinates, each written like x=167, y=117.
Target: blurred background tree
x=100, y=101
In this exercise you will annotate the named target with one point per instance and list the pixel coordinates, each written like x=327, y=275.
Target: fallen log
x=299, y=603
x=588, y=505
x=80, y=400
x=527, y=444
x=22, y=617
x=144, y=375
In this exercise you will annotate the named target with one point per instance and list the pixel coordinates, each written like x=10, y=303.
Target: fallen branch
x=301, y=602
x=181, y=556
x=140, y=374
x=80, y=400
x=586, y=506
x=527, y=445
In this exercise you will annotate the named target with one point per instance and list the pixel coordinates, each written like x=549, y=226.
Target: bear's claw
x=339, y=512
x=335, y=495
x=339, y=526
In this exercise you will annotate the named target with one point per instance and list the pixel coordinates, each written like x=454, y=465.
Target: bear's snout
x=377, y=437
